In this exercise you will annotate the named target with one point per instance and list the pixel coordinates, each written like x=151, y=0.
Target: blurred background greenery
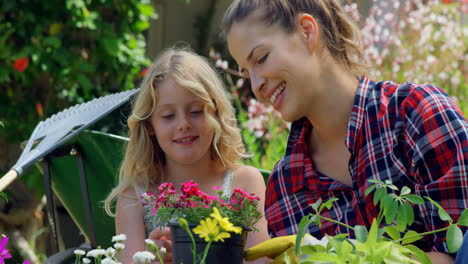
x=58, y=53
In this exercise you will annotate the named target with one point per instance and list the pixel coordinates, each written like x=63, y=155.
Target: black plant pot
x=231, y=251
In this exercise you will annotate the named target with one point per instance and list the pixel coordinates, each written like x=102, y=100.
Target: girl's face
x=280, y=65
x=180, y=125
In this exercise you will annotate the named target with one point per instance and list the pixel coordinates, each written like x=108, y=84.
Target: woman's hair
x=341, y=36
x=143, y=165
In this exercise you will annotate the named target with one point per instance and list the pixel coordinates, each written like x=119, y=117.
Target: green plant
x=80, y=50
x=389, y=243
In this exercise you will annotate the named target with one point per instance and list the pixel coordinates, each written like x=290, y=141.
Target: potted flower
x=221, y=222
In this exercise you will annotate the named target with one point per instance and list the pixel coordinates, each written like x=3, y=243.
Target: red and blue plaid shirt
x=413, y=135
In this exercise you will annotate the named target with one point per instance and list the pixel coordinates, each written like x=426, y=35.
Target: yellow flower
x=224, y=222
x=209, y=229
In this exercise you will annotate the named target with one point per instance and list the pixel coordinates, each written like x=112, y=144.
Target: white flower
x=224, y=65
x=108, y=261
x=86, y=260
x=143, y=257
x=119, y=238
x=110, y=252
x=95, y=253
x=119, y=246
x=163, y=250
x=149, y=242
x=79, y=252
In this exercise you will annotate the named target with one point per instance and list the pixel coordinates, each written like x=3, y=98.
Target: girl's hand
x=162, y=238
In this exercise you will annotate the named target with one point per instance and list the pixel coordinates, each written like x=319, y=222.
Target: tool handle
x=7, y=179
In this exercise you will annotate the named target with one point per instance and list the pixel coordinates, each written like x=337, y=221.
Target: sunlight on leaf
x=392, y=232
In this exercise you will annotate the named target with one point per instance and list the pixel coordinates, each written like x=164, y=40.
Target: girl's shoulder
x=248, y=178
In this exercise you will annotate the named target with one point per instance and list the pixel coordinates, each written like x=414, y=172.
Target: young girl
x=182, y=128
x=303, y=59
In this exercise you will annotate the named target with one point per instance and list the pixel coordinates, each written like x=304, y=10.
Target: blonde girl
x=182, y=127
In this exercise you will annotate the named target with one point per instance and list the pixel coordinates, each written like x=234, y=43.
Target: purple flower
x=4, y=254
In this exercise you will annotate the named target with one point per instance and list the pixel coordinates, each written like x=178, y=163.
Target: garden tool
x=57, y=129
x=280, y=248
x=276, y=248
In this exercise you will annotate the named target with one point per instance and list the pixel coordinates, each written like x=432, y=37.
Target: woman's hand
x=162, y=238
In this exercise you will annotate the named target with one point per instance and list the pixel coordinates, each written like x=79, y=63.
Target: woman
x=302, y=57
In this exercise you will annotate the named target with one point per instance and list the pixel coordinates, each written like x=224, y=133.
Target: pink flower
x=4, y=254
x=189, y=189
x=26, y=262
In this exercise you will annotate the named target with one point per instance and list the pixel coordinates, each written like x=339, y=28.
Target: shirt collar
x=358, y=111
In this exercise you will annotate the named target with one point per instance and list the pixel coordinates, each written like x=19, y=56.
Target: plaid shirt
x=413, y=135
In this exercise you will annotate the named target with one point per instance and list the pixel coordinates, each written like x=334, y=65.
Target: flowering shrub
x=78, y=51
x=417, y=41
x=194, y=205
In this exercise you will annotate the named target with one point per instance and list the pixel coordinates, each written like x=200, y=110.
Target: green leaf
x=463, y=220
x=386, y=202
x=405, y=190
x=301, y=231
x=361, y=233
x=454, y=238
x=442, y=213
x=372, y=237
x=391, y=212
x=328, y=204
x=379, y=194
x=323, y=257
x=410, y=237
x=1, y=124
x=409, y=212
x=375, y=181
x=419, y=254
x=4, y=196
x=402, y=219
x=414, y=199
x=316, y=205
x=392, y=232
x=370, y=189
x=311, y=249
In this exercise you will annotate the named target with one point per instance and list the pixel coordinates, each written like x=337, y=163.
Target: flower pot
x=231, y=251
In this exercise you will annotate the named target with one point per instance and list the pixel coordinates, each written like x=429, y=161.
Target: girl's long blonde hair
x=143, y=165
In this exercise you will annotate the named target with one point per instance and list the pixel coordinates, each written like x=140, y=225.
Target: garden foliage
x=57, y=53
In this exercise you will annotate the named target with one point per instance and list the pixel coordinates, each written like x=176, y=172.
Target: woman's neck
x=331, y=115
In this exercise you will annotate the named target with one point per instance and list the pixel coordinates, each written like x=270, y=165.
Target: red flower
x=39, y=109
x=21, y=64
x=143, y=72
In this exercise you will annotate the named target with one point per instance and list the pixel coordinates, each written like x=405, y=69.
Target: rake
x=57, y=129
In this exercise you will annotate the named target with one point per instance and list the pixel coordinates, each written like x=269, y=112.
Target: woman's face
x=180, y=125
x=280, y=65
